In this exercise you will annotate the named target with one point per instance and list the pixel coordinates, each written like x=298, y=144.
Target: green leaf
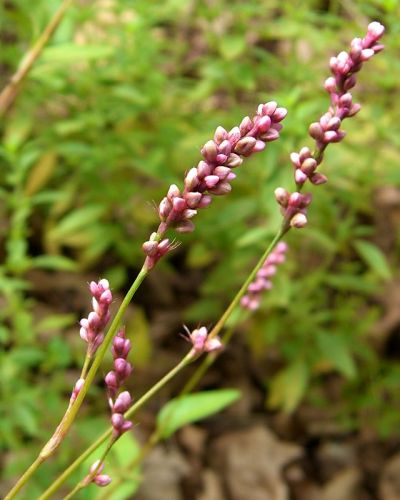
x=232, y=46
x=193, y=407
x=374, y=258
x=54, y=262
x=287, y=388
x=76, y=222
x=336, y=350
x=70, y=52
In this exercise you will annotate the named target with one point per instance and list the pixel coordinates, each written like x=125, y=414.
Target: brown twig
x=10, y=91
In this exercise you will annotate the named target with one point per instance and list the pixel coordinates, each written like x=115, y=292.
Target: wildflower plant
x=221, y=157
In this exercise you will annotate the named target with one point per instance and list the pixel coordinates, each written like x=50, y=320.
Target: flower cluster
x=293, y=206
x=213, y=174
x=262, y=280
x=114, y=379
x=201, y=341
x=92, y=327
x=95, y=475
x=327, y=130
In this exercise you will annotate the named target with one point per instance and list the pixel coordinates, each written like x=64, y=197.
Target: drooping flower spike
x=213, y=175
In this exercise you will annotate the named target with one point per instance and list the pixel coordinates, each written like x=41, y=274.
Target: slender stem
x=24, y=478
x=10, y=91
x=72, y=493
x=196, y=376
x=73, y=409
x=85, y=366
x=134, y=408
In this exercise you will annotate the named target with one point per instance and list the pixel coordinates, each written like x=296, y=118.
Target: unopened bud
x=298, y=221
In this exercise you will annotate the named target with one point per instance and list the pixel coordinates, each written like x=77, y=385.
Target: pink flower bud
x=209, y=150
x=225, y=148
x=271, y=135
x=122, y=402
x=281, y=196
x=267, y=108
x=150, y=248
x=222, y=172
x=259, y=146
x=263, y=124
x=191, y=179
x=211, y=181
x=221, y=189
x=205, y=201
x=245, y=146
x=164, y=208
x=173, y=192
x=298, y=221
x=245, y=125
x=203, y=169
x=212, y=345
x=318, y=179
x=279, y=114
x=309, y=165
x=111, y=380
x=300, y=177
x=234, y=135
x=220, y=135
x=375, y=29
x=179, y=204
x=117, y=421
x=193, y=199
x=233, y=161
x=330, y=84
x=106, y=297
x=96, y=467
x=102, y=480
x=83, y=334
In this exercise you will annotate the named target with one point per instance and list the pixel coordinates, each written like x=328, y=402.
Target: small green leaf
x=76, y=222
x=70, y=52
x=54, y=262
x=374, y=258
x=232, y=47
x=288, y=387
x=336, y=350
x=193, y=407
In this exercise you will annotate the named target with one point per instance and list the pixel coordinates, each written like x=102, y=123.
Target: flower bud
x=209, y=151
x=102, y=480
x=220, y=135
x=298, y=221
x=245, y=146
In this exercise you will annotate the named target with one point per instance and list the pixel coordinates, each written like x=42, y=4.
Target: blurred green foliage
x=115, y=110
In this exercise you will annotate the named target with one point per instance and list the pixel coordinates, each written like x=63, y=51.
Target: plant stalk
x=10, y=91
x=73, y=409
x=192, y=381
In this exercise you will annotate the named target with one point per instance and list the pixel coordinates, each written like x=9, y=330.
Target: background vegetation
x=114, y=111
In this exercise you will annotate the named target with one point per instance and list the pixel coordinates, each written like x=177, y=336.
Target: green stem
x=73, y=409
x=192, y=381
x=85, y=366
x=134, y=408
x=10, y=92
